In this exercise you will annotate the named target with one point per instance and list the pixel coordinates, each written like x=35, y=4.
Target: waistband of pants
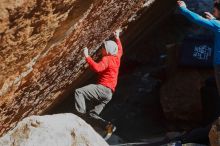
x=107, y=88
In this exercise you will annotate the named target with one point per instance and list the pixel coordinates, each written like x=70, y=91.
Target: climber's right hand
x=181, y=3
x=86, y=52
x=117, y=33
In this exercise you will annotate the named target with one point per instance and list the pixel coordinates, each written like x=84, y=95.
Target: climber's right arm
x=97, y=67
x=118, y=42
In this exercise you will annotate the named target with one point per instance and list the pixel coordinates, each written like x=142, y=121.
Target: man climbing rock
x=211, y=23
x=91, y=99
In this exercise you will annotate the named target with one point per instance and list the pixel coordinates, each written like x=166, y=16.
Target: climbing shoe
x=109, y=129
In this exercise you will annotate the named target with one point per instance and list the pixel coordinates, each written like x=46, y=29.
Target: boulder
x=41, y=44
x=53, y=130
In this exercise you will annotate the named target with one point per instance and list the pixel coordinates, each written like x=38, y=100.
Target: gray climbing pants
x=90, y=101
x=217, y=77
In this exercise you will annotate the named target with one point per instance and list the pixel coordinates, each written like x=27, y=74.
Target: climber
x=211, y=22
x=98, y=95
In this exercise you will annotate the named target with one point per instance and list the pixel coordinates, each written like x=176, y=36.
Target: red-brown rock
x=40, y=48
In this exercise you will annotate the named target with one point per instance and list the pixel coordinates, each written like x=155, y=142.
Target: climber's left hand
x=86, y=52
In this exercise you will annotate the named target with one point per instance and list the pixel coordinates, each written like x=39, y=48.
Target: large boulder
x=55, y=130
x=40, y=48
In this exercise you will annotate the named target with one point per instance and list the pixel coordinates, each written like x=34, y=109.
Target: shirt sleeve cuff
x=183, y=9
x=88, y=58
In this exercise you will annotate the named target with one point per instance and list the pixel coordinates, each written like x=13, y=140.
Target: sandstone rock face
x=55, y=130
x=40, y=48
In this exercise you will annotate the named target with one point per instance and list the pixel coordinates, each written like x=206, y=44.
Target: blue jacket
x=213, y=25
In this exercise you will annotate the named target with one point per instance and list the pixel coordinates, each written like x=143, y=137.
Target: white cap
x=111, y=47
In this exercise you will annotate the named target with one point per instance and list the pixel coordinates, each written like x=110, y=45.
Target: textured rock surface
x=55, y=130
x=40, y=48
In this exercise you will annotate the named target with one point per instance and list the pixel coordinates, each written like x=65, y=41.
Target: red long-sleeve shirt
x=107, y=68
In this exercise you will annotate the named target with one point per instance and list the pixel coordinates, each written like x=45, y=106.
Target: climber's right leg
x=82, y=95
x=85, y=98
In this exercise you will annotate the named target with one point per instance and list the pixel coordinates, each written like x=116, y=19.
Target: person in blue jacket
x=212, y=23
